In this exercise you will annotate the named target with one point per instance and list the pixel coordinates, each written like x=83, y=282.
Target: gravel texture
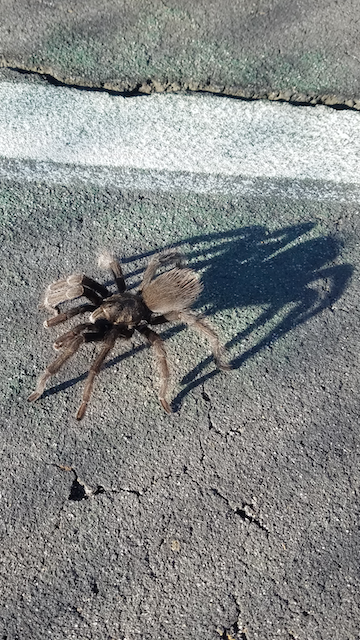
x=237, y=517
x=303, y=52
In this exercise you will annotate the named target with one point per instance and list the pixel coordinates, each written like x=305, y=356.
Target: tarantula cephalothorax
x=166, y=298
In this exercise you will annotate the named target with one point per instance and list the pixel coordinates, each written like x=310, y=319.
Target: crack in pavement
x=207, y=398
x=149, y=86
x=246, y=511
x=212, y=426
x=81, y=491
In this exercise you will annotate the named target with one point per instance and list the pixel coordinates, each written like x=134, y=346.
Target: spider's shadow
x=254, y=266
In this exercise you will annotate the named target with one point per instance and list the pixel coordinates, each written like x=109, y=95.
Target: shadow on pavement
x=282, y=272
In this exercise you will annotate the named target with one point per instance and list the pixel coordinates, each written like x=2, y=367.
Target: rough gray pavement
x=302, y=51
x=236, y=518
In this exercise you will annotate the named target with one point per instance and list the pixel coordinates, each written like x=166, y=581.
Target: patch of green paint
x=70, y=52
x=311, y=72
x=170, y=46
x=9, y=203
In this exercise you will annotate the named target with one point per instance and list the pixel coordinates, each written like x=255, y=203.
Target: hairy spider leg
x=62, y=317
x=160, y=353
x=107, y=260
x=167, y=256
x=92, y=284
x=66, y=338
x=71, y=348
x=118, y=275
x=158, y=320
x=202, y=326
x=90, y=294
x=109, y=342
x=72, y=287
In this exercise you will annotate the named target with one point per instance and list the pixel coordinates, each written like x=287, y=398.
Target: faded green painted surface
x=237, y=48
x=194, y=60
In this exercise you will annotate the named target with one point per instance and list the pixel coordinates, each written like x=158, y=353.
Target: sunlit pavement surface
x=237, y=516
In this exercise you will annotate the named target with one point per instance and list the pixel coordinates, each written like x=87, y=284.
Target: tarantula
x=166, y=298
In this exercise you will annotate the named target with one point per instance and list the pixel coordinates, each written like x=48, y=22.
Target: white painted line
x=196, y=134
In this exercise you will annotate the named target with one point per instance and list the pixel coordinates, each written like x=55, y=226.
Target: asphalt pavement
x=291, y=50
x=237, y=517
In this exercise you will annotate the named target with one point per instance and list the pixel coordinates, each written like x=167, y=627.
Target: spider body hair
x=165, y=298
x=105, y=260
x=173, y=290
